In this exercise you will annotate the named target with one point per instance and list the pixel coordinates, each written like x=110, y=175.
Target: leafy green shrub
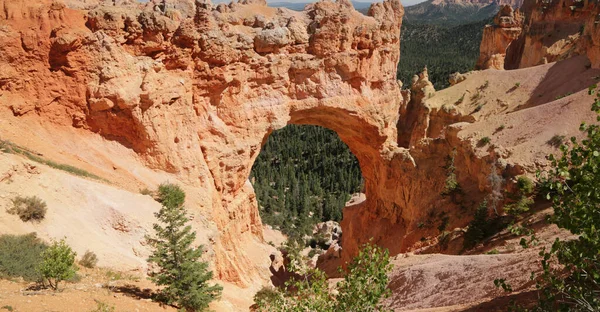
x=58, y=263
x=519, y=207
x=517, y=84
x=563, y=96
x=526, y=185
x=182, y=273
x=451, y=186
x=478, y=108
x=484, y=141
x=28, y=208
x=573, y=186
x=267, y=296
x=146, y=191
x=89, y=260
x=526, y=188
x=20, y=256
x=519, y=230
x=366, y=280
x=478, y=228
x=364, y=285
x=7, y=307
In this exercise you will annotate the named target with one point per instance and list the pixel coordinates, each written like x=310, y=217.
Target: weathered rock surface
x=198, y=96
x=498, y=37
x=195, y=90
x=556, y=30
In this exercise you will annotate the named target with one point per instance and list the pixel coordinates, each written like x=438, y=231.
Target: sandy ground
x=124, y=291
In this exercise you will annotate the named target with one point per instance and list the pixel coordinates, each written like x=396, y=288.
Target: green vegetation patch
x=8, y=147
x=20, y=256
x=304, y=175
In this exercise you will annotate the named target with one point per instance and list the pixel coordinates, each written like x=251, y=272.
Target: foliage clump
x=523, y=200
x=451, y=186
x=31, y=208
x=89, y=260
x=20, y=256
x=184, y=276
x=484, y=141
x=571, y=269
x=478, y=228
x=58, y=263
x=364, y=285
x=556, y=141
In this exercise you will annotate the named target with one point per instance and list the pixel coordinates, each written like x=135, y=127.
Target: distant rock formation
x=497, y=38
x=556, y=30
x=513, y=3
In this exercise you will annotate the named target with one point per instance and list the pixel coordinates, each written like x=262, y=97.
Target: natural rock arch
x=196, y=93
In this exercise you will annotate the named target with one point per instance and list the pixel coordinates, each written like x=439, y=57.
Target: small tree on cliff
x=179, y=266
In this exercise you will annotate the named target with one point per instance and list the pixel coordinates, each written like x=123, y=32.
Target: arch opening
x=305, y=174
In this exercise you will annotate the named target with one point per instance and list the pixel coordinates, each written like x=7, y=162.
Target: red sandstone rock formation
x=555, y=30
x=498, y=37
x=196, y=89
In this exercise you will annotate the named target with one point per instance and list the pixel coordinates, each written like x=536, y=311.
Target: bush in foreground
x=89, y=260
x=364, y=285
x=58, y=264
x=28, y=208
x=20, y=256
x=571, y=269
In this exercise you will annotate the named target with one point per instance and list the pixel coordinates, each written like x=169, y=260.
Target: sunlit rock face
x=554, y=31
x=195, y=89
x=497, y=38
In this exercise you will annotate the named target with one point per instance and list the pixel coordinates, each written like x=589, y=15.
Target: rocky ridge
x=550, y=31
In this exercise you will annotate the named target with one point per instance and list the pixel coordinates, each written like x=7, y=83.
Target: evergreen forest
x=304, y=175
x=444, y=50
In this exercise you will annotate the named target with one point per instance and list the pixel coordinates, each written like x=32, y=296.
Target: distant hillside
x=449, y=13
x=444, y=50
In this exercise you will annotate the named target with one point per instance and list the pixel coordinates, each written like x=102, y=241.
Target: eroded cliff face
x=553, y=31
x=497, y=38
x=196, y=90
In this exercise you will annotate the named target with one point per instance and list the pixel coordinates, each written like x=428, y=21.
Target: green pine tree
x=477, y=228
x=180, y=269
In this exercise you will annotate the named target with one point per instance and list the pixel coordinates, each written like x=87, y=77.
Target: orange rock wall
x=195, y=89
x=556, y=30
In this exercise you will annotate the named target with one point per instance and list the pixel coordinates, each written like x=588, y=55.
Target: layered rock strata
x=556, y=30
